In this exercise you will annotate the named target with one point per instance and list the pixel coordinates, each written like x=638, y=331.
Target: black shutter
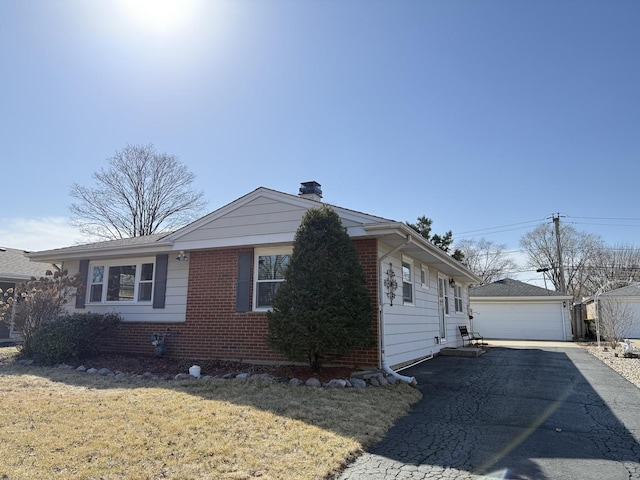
x=243, y=285
x=81, y=294
x=160, y=282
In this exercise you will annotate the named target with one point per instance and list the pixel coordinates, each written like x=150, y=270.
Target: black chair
x=472, y=338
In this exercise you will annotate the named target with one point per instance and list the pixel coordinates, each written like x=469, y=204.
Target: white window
x=407, y=281
x=121, y=282
x=270, y=268
x=457, y=293
x=424, y=276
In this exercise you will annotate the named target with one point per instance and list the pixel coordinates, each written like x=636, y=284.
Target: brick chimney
x=311, y=190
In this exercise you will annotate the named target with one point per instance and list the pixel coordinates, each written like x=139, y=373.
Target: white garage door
x=519, y=321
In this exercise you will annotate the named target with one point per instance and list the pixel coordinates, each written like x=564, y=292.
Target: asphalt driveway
x=540, y=412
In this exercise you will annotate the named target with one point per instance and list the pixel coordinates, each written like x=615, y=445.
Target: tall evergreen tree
x=323, y=309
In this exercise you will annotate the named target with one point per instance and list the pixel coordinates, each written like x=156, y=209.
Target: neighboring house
x=513, y=310
x=628, y=296
x=15, y=268
x=211, y=283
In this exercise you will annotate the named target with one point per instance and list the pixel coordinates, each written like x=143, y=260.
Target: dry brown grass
x=61, y=424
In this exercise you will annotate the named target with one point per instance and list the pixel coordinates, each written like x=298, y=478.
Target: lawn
x=65, y=424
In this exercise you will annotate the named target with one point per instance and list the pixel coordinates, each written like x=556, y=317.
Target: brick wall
x=213, y=328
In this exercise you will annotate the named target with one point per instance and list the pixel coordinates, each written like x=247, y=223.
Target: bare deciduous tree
x=141, y=193
x=617, y=318
x=578, y=250
x=619, y=264
x=487, y=259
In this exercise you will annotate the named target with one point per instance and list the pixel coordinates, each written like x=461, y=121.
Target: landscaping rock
x=358, y=383
x=104, y=372
x=336, y=383
x=183, y=376
x=296, y=382
x=92, y=371
x=313, y=382
x=242, y=376
x=391, y=380
x=81, y=368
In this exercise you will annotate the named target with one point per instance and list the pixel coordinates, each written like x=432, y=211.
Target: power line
x=500, y=227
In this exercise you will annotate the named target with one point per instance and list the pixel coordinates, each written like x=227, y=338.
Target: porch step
x=462, y=351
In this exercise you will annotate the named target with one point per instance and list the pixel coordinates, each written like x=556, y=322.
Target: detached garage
x=513, y=310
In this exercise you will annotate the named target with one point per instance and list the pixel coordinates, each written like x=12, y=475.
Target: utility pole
x=563, y=285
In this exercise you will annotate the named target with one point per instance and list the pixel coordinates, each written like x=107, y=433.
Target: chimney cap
x=311, y=190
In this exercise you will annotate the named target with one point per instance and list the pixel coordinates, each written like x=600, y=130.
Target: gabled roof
x=512, y=288
x=134, y=245
x=267, y=217
x=263, y=192
x=15, y=266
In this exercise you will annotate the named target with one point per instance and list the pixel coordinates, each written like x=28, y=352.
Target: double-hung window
x=407, y=281
x=457, y=294
x=270, y=267
x=121, y=282
x=424, y=276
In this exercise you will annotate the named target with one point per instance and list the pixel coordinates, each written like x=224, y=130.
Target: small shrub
x=70, y=337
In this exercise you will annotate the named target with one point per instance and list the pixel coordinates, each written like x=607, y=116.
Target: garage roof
x=512, y=288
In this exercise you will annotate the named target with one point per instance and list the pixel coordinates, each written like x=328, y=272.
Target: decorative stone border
x=364, y=380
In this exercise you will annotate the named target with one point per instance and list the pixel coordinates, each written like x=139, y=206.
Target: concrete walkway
x=543, y=411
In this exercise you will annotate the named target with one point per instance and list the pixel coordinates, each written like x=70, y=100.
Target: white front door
x=443, y=307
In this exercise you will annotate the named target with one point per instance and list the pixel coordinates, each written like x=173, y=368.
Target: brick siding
x=214, y=330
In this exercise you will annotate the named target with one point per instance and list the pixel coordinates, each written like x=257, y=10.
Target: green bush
x=66, y=338
x=323, y=309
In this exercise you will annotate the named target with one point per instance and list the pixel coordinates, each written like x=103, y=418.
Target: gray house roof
x=512, y=288
x=628, y=291
x=15, y=266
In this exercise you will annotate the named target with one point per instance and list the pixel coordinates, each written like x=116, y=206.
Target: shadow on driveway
x=543, y=413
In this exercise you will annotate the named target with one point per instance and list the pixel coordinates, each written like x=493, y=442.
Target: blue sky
x=486, y=116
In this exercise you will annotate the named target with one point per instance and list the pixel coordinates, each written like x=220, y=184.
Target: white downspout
x=383, y=358
x=564, y=321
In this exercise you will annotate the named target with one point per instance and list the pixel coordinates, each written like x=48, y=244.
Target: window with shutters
x=127, y=281
x=269, y=275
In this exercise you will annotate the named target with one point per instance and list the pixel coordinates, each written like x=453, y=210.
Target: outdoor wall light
x=182, y=257
x=452, y=282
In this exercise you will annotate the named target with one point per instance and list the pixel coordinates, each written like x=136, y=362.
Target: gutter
x=383, y=359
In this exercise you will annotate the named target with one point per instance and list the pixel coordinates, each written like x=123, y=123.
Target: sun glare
x=159, y=15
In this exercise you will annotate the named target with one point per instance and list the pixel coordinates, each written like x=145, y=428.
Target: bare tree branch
x=141, y=193
x=486, y=259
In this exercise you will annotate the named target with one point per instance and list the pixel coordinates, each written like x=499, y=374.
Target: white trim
x=424, y=276
x=409, y=263
x=258, y=252
x=122, y=262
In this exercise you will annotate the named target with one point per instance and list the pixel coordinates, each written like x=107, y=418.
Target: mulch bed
x=173, y=366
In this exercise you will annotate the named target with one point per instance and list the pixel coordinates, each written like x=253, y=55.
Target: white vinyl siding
x=410, y=330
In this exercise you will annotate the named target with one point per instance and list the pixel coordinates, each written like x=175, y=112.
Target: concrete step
x=463, y=351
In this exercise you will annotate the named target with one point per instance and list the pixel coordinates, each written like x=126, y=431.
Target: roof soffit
x=412, y=244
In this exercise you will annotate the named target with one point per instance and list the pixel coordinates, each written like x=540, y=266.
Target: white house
x=210, y=283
